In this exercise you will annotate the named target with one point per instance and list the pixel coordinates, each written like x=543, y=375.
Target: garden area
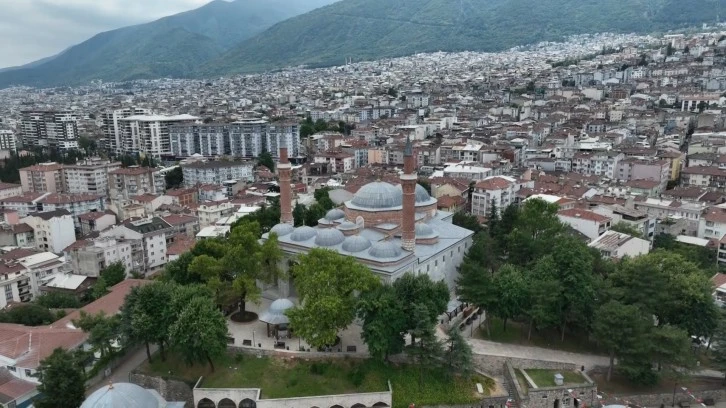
x=296, y=377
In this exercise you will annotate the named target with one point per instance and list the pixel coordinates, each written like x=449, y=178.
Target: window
x=28, y=373
x=11, y=368
x=8, y=292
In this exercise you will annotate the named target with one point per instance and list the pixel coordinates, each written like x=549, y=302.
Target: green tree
x=419, y=291
x=28, y=315
x=427, y=351
x=298, y=214
x=626, y=229
x=718, y=342
x=62, y=382
x=178, y=269
x=384, y=322
x=88, y=145
x=174, y=178
x=102, y=330
x=617, y=327
x=58, y=300
x=265, y=159
x=467, y=221
x=392, y=92
x=200, y=332
x=510, y=287
x=327, y=309
x=147, y=315
x=475, y=283
x=459, y=356
x=109, y=277
x=313, y=214
x=535, y=229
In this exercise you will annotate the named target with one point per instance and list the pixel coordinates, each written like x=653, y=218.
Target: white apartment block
x=217, y=172
x=49, y=129
x=7, y=140
x=150, y=255
x=54, y=230
x=501, y=190
x=603, y=164
x=132, y=181
x=90, y=176
x=588, y=223
x=92, y=258
x=210, y=213
x=148, y=135
x=22, y=272
x=114, y=128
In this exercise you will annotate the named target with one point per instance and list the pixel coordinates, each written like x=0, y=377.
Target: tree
x=200, y=332
x=626, y=229
x=458, y=353
x=174, y=178
x=28, y=315
x=88, y=145
x=701, y=106
x=313, y=214
x=384, y=322
x=62, y=382
x=265, y=159
x=617, y=327
x=533, y=232
x=109, y=277
x=419, y=291
x=718, y=342
x=428, y=350
x=510, y=287
x=58, y=300
x=147, y=315
x=327, y=309
x=102, y=330
x=178, y=269
x=392, y=92
x=298, y=214
x=475, y=283
x=467, y=221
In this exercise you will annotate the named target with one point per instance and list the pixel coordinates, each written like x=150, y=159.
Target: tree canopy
x=62, y=382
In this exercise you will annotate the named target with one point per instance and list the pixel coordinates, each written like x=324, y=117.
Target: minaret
x=408, y=185
x=284, y=169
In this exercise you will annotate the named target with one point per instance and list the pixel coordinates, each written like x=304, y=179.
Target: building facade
x=217, y=172
x=49, y=129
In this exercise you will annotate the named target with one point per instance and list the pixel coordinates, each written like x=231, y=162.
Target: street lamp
x=253, y=338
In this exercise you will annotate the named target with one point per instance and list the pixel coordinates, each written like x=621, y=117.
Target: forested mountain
x=369, y=29
x=173, y=46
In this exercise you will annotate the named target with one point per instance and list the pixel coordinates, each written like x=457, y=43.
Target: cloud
x=34, y=29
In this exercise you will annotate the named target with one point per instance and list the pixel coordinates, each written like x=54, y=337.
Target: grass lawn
x=546, y=378
x=620, y=385
x=516, y=333
x=284, y=378
x=523, y=384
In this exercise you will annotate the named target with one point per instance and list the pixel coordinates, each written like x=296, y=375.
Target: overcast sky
x=35, y=29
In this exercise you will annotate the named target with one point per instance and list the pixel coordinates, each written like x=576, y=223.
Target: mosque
x=125, y=395
x=392, y=229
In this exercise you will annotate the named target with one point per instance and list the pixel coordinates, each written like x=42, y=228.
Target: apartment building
x=500, y=190
x=49, y=129
x=148, y=238
x=90, y=257
x=54, y=230
x=588, y=223
x=23, y=270
x=217, y=172
x=114, y=128
x=43, y=178
x=148, y=135
x=704, y=176
x=247, y=138
x=8, y=142
x=339, y=161
x=209, y=213
x=10, y=190
x=132, y=181
x=603, y=164
x=89, y=176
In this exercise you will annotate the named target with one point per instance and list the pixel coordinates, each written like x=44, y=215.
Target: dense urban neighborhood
x=540, y=228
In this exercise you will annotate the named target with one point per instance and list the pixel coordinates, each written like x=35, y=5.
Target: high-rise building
x=89, y=176
x=217, y=172
x=7, y=140
x=114, y=128
x=148, y=135
x=246, y=139
x=49, y=129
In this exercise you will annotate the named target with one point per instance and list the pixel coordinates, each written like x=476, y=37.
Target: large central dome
x=378, y=195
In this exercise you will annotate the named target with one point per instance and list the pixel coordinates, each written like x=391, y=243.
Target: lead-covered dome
x=422, y=195
x=282, y=229
x=378, y=195
x=329, y=237
x=356, y=243
x=303, y=233
x=121, y=395
x=385, y=249
x=425, y=231
x=347, y=226
x=335, y=214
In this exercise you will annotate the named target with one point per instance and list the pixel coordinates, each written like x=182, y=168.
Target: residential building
x=43, y=178
x=89, y=176
x=704, y=176
x=148, y=135
x=114, y=129
x=183, y=197
x=339, y=161
x=53, y=230
x=644, y=169
x=210, y=212
x=149, y=236
x=616, y=245
x=17, y=235
x=22, y=271
x=132, y=181
x=181, y=224
x=712, y=224
x=8, y=142
x=90, y=257
x=96, y=221
x=499, y=190
x=49, y=129
x=10, y=190
x=588, y=223
x=76, y=204
x=466, y=171
x=217, y=172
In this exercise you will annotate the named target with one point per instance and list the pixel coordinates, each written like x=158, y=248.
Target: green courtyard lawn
x=516, y=333
x=288, y=377
x=546, y=378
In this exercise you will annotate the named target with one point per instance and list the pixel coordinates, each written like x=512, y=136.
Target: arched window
x=226, y=403
x=380, y=404
x=247, y=403
x=358, y=406
x=206, y=403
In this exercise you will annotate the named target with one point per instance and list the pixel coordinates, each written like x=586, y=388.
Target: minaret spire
x=284, y=169
x=408, y=186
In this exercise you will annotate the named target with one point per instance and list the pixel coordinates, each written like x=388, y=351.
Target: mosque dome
x=303, y=233
x=378, y=195
x=385, y=249
x=356, y=243
x=282, y=229
x=121, y=395
x=422, y=195
x=425, y=231
x=329, y=237
x=347, y=226
x=335, y=214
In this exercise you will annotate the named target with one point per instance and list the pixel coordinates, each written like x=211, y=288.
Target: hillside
x=370, y=29
x=173, y=46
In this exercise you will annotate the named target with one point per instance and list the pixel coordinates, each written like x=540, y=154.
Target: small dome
x=121, y=395
x=280, y=305
x=424, y=231
x=347, y=226
x=303, y=233
x=422, y=195
x=356, y=243
x=378, y=195
x=275, y=314
x=282, y=229
x=385, y=249
x=329, y=237
x=335, y=214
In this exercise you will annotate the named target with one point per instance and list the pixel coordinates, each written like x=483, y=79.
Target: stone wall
x=236, y=395
x=561, y=397
x=491, y=402
x=170, y=389
x=494, y=365
x=655, y=400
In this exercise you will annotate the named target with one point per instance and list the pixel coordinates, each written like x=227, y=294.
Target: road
x=121, y=373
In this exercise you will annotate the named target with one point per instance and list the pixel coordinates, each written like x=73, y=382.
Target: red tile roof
x=583, y=214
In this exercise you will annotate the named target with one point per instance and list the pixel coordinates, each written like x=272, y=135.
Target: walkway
x=121, y=373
